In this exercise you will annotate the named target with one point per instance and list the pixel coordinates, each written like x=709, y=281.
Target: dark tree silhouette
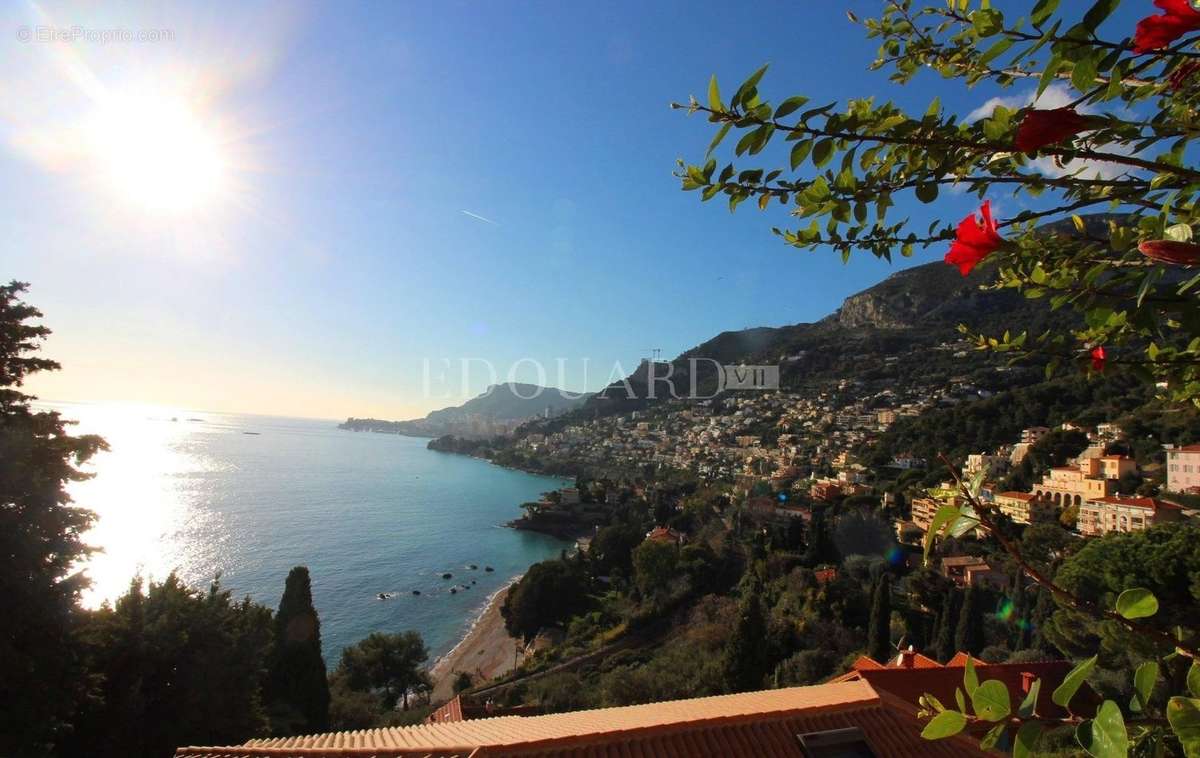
x=299, y=690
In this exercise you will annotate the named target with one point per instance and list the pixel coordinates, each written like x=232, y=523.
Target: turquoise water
x=367, y=513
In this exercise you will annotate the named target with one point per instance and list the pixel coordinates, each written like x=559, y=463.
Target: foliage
x=745, y=657
x=612, y=547
x=299, y=690
x=173, y=666
x=968, y=635
x=41, y=539
x=462, y=682
x=1137, y=301
x=549, y=594
x=654, y=566
x=948, y=621
x=879, y=641
x=1164, y=561
x=805, y=667
x=388, y=663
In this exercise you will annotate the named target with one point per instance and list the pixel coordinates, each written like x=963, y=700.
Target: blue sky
x=340, y=257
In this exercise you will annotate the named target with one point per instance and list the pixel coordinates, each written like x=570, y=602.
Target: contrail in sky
x=476, y=216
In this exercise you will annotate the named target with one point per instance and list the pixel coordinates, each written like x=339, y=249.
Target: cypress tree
x=879, y=639
x=947, y=622
x=298, y=688
x=969, y=635
x=820, y=545
x=1021, y=613
x=746, y=651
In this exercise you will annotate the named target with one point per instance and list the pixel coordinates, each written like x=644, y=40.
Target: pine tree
x=746, y=651
x=879, y=640
x=968, y=637
x=41, y=544
x=299, y=689
x=947, y=622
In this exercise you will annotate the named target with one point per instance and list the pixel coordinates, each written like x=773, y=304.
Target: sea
x=245, y=498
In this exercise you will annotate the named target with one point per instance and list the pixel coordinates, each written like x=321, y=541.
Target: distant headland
x=497, y=411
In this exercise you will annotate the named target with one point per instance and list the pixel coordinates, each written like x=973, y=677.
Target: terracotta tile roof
x=960, y=661
x=460, y=709
x=1017, y=495
x=865, y=662
x=759, y=724
x=909, y=684
x=1149, y=503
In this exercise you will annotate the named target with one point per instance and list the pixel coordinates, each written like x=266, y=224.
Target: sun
x=158, y=154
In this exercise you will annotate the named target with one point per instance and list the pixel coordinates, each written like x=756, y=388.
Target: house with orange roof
x=665, y=534
x=837, y=718
x=1102, y=515
x=1023, y=507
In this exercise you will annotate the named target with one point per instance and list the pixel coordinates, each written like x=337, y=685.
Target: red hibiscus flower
x=974, y=241
x=1098, y=358
x=1156, y=32
x=1041, y=128
x=1170, y=251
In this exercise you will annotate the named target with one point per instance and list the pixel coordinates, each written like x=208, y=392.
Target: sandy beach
x=486, y=651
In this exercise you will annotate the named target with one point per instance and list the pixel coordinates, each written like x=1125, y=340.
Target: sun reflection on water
x=146, y=493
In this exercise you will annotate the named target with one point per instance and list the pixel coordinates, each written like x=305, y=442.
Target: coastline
x=485, y=651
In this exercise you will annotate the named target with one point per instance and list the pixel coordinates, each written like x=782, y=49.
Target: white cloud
x=1055, y=96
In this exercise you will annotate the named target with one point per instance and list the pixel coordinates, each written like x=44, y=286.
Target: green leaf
x=822, y=152
x=714, y=95
x=1105, y=735
x=1042, y=11
x=1143, y=684
x=1049, y=74
x=1025, y=744
x=1029, y=704
x=747, y=141
x=1071, y=683
x=799, y=152
x=743, y=92
x=945, y=724
x=1083, y=75
x=1098, y=12
x=965, y=522
x=970, y=678
x=960, y=699
x=990, y=700
x=1183, y=714
x=790, y=106
x=944, y=515
x=987, y=21
x=720, y=136
x=996, y=50
x=927, y=192
x=1137, y=603
x=1179, y=233
x=993, y=735
x=1193, y=679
